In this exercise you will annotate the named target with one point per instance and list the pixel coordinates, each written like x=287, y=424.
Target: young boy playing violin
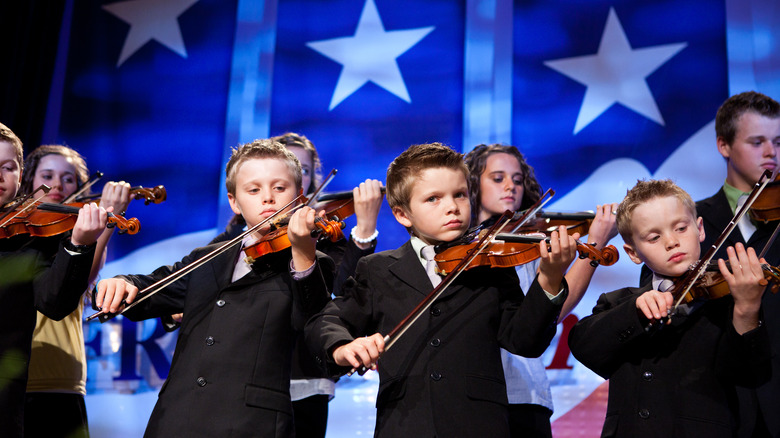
x=230, y=373
x=48, y=274
x=678, y=378
x=443, y=376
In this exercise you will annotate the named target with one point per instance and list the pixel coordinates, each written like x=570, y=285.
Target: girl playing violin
x=502, y=180
x=54, y=404
x=48, y=274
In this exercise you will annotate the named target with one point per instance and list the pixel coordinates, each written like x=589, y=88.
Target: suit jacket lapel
x=407, y=268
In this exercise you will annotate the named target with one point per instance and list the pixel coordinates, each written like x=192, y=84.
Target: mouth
x=769, y=166
x=267, y=212
x=676, y=258
x=455, y=223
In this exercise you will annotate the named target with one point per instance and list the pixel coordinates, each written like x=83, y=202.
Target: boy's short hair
x=263, y=148
x=403, y=171
x=292, y=139
x=735, y=106
x=643, y=192
x=476, y=160
x=34, y=159
x=7, y=135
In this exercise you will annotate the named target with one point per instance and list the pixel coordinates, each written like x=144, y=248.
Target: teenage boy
x=747, y=127
x=675, y=379
x=443, y=376
x=230, y=373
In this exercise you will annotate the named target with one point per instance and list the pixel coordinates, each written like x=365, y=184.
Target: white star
x=151, y=20
x=370, y=55
x=616, y=74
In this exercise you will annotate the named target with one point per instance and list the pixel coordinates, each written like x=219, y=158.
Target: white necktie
x=665, y=285
x=430, y=264
x=745, y=226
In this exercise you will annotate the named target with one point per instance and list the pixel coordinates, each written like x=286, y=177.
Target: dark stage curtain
x=29, y=33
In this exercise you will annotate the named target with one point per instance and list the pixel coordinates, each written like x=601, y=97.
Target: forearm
x=578, y=279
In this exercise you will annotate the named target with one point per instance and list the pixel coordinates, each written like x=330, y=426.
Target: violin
x=766, y=207
x=154, y=195
x=277, y=239
x=338, y=205
x=508, y=249
x=712, y=285
x=43, y=219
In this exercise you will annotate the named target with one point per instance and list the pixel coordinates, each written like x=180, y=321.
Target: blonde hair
x=643, y=192
x=264, y=148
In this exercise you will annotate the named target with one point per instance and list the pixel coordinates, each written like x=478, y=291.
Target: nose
x=509, y=185
x=671, y=241
x=771, y=149
x=452, y=205
x=268, y=197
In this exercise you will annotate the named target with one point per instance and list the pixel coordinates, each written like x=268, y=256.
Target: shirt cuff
x=300, y=275
x=557, y=299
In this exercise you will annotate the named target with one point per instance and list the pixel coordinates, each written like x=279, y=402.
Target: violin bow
x=20, y=201
x=537, y=207
x=165, y=282
x=401, y=328
x=86, y=186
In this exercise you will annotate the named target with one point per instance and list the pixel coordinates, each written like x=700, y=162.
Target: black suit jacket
x=35, y=274
x=230, y=373
x=678, y=381
x=716, y=214
x=443, y=377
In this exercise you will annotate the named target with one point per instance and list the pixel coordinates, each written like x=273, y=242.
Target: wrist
x=78, y=249
x=358, y=239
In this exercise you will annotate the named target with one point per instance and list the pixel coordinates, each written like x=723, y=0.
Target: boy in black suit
x=443, y=377
x=230, y=373
x=677, y=380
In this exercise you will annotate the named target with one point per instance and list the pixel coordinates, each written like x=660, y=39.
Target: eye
x=653, y=238
x=517, y=182
x=431, y=199
x=280, y=189
x=498, y=179
x=70, y=180
x=682, y=229
x=305, y=171
x=461, y=195
x=253, y=190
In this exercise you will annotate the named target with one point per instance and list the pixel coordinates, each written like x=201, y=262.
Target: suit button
x=435, y=311
x=201, y=381
x=210, y=341
x=644, y=414
x=436, y=376
x=220, y=303
x=647, y=375
x=435, y=342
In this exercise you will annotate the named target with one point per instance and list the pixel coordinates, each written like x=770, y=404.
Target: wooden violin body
x=766, y=208
x=508, y=250
x=44, y=219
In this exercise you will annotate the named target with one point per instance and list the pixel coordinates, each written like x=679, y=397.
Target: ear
x=724, y=148
x=234, y=204
x=632, y=254
x=700, y=225
x=402, y=217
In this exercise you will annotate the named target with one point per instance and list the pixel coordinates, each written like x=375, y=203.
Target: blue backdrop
x=596, y=94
